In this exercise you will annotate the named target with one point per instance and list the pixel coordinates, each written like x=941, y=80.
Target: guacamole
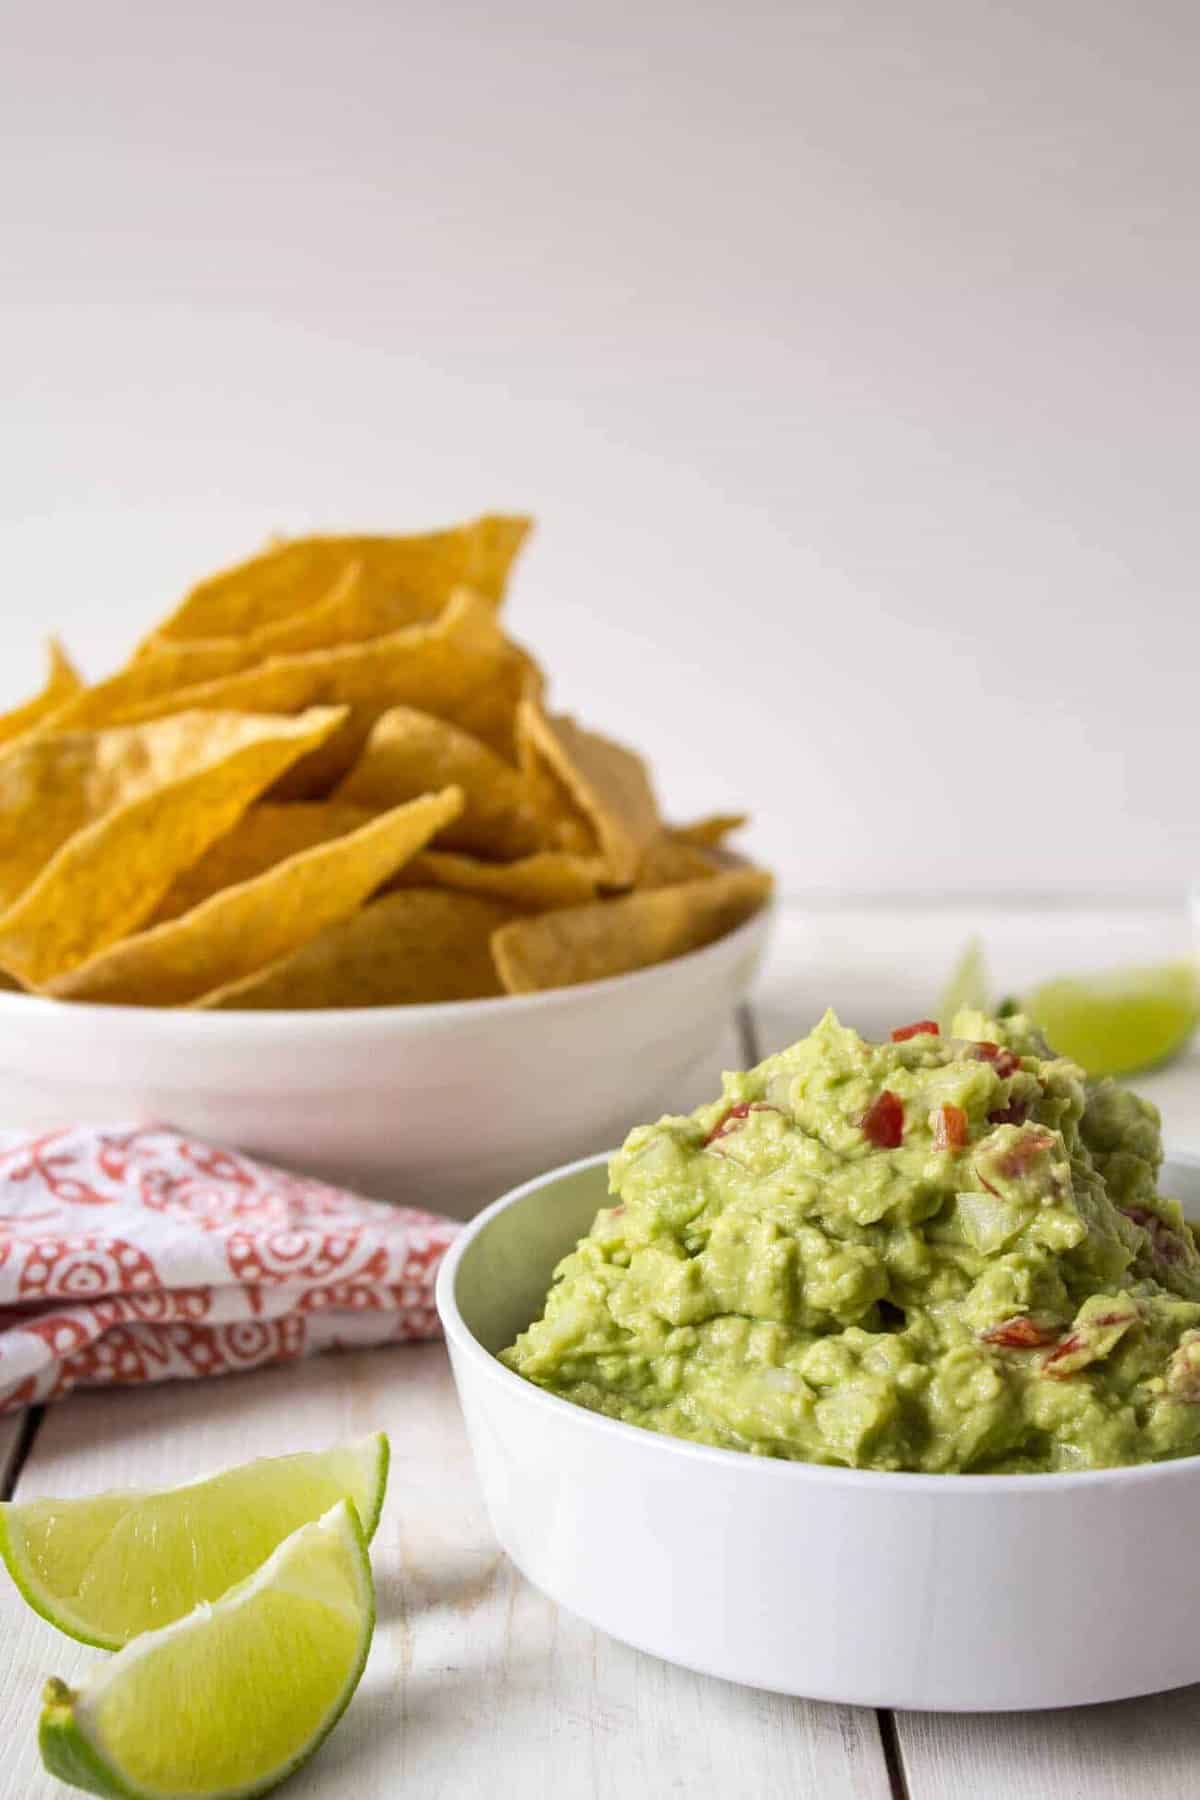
x=941, y=1253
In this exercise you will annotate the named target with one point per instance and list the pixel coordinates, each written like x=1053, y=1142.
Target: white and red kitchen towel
x=137, y=1254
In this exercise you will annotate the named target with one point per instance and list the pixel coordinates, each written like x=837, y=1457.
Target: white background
x=847, y=353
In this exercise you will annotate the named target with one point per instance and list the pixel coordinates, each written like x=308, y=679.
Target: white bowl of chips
x=443, y=1105
x=316, y=872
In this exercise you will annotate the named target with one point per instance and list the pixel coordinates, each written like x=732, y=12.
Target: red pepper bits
x=949, y=1128
x=883, y=1121
x=920, y=1028
x=1016, y=1159
x=1068, y=1348
x=728, y=1121
x=1016, y=1114
x=1004, y=1062
x=1087, y=1344
x=733, y=1118
x=1020, y=1333
x=1165, y=1244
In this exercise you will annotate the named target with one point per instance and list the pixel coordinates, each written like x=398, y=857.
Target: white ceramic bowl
x=443, y=1106
x=947, y=1592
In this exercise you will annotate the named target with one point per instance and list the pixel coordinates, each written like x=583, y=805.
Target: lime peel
x=106, y=1568
x=1118, y=1022
x=308, y=1613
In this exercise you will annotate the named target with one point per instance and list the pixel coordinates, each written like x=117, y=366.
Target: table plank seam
x=893, y=1753
x=31, y=1422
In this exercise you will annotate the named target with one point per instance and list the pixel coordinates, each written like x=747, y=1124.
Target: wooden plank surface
x=1138, y=1750
x=477, y=1684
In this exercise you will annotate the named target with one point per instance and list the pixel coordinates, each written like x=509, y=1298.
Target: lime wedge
x=231, y=1699
x=968, y=989
x=1113, y=1024
x=106, y=1568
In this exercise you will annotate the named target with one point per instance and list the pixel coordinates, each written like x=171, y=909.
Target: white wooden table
x=477, y=1684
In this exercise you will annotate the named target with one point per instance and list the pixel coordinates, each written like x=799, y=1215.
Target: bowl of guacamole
x=888, y=1345
x=939, y=1253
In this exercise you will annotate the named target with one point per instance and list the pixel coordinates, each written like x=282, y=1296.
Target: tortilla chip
x=564, y=825
x=60, y=684
x=409, y=752
x=612, y=937
x=538, y=883
x=461, y=667
x=350, y=613
x=668, y=862
x=710, y=832
x=54, y=785
x=605, y=783
x=243, y=929
x=262, y=837
x=98, y=824
x=149, y=679
x=420, y=572
x=409, y=948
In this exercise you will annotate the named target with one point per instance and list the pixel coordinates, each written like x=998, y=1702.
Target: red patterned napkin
x=135, y=1254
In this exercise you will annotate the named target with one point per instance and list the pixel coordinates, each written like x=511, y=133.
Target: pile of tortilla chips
x=330, y=778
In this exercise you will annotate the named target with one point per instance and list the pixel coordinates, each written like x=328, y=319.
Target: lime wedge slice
x=107, y=1568
x=1116, y=1023
x=969, y=986
x=231, y=1699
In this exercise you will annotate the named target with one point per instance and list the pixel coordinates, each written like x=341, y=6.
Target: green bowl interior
x=505, y=1271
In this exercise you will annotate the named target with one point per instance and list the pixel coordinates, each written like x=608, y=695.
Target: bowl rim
x=265, y=1021
x=656, y=1443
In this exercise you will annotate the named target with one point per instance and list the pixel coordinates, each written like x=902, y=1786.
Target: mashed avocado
x=938, y=1253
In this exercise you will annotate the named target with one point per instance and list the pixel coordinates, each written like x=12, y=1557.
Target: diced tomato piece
x=1016, y=1160
x=950, y=1128
x=732, y=1119
x=883, y=1121
x=1068, y=1347
x=1016, y=1114
x=1004, y=1061
x=921, y=1028
x=728, y=1121
x=1086, y=1343
x=1165, y=1244
x=1020, y=1334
